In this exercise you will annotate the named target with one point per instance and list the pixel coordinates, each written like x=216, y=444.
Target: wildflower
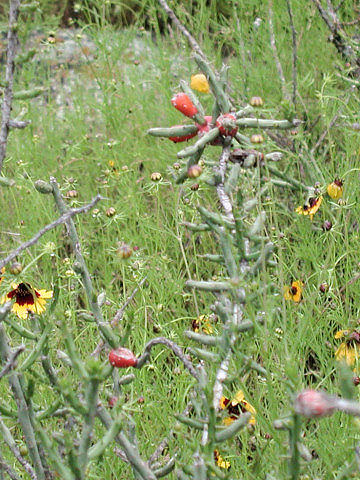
x=294, y=292
x=311, y=207
x=202, y=323
x=335, y=189
x=2, y=271
x=199, y=83
x=235, y=407
x=220, y=462
x=349, y=350
x=27, y=299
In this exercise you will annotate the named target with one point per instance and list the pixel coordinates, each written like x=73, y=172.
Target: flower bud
x=16, y=268
x=194, y=171
x=256, y=102
x=122, y=358
x=124, y=251
x=72, y=194
x=156, y=177
x=327, y=225
x=110, y=212
x=335, y=189
x=324, y=287
x=313, y=404
x=256, y=138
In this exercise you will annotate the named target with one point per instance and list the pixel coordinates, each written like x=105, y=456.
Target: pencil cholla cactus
x=243, y=252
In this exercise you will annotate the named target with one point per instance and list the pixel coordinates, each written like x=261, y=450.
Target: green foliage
x=89, y=131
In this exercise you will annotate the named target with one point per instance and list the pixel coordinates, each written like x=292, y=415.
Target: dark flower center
x=233, y=410
x=293, y=290
x=24, y=294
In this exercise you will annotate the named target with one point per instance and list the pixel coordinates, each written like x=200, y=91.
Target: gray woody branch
x=63, y=219
x=12, y=44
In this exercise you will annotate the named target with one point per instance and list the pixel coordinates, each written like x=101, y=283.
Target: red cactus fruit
x=182, y=138
x=312, y=403
x=122, y=358
x=205, y=127
x=183, y=103
x=202, y=129
x=227, y=125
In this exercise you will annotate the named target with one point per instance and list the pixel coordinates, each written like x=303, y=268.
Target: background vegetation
x=108, y=79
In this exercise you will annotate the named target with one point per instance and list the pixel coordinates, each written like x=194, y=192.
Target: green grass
x=103, y=118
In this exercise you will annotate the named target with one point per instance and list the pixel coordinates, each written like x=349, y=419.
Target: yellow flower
x=235, y=407
x=220, y=462
x=199, y=83
x=335, y=189
x=2, y=271
x=27, y=299
x=349, y=350
x=202, y=323
x=311, y=207
x=294, y=292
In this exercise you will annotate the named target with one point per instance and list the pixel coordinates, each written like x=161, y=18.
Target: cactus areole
x=122, y=358
x=183, y=103
x=227, y=125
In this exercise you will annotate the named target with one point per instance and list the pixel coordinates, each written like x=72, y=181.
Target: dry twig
x=62, y=219
x=12, y=45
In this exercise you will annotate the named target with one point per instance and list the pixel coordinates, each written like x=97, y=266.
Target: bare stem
x=275, y=52
x=24, y=408
x=11, y=363
x=105, y=330
x=63, y=219
x=12, y=45
x=294, y=50
x=174, y=347
x=192, y=42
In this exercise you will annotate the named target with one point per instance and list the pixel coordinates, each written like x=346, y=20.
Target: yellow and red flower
x=335, y=189
x=349, y=349
x=202, y=324
x=27, y=299
x=220, y=462
x=2, y=271
x=236, y=407
x=311, y=207
x=294, y=292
